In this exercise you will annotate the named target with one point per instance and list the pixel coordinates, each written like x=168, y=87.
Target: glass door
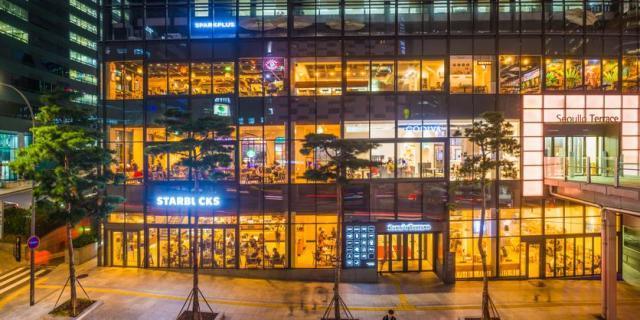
x=533, y=260
x=117, y=251
x=397, y=252
x=132, y=249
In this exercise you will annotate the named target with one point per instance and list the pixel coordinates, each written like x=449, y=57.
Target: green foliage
x=16, y=221
x=342, y=156
x=203, y=144
x=84, y=239
x=493, y=138
x=66, y=160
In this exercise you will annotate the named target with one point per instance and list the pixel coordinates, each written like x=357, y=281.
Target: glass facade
x=405, y=74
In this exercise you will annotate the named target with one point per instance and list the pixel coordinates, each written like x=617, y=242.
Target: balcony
x=609, y=171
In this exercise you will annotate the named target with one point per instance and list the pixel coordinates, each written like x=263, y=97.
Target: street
x=130, y=293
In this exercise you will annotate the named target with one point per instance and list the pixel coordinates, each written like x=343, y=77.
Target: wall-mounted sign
x=187, y=201
x=214, y=24
x=273, y=64
x=360, y=246
x=589, y=118
x=408, y=227
x=435, y=130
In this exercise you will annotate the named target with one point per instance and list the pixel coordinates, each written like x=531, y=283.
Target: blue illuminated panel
x=360, y=246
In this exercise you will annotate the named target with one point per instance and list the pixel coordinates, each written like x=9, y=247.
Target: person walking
x=389, y=316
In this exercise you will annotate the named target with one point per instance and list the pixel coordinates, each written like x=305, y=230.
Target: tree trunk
x=483, y=255
x=194, y=255
x=72, y=269
x=336, y=284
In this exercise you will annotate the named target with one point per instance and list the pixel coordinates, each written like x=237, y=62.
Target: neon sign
x=187, y=201
x=272, y=64
x=214, y=24
x=408, y=227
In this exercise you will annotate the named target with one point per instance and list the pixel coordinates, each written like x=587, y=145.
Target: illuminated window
x=460, y=74
x=157, y=79
x=358, y=76
x=409, y=75
x=14, y=10
x=74, y=37
x=483, y=74
x=433, y=75
x=200, y=78
x=382, y=76
x=530, y=74
x=316, y=77
x=328, y=74
x=124, y=80
x=573, y=74
x=630, y=71
x=592, y=74
x=554, y=74
x=610, y=74
x=82, y=77
x=178, y=78
x=384, y=156
x=250, y=81
x=83, y=8
x=223, y=78
x=79, y=57
x=275, y=76
x=408, y=160
x=509, y=74
x=91, y=27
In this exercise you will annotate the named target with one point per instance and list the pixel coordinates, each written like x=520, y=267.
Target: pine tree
x=493, y=139
x=204, y=149
x=342, y=155
x=69, y=166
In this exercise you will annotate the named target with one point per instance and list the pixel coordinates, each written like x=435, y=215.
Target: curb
x=88, y=311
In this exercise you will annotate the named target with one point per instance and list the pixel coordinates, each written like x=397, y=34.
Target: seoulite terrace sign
x=408, y=227
x=187, y=201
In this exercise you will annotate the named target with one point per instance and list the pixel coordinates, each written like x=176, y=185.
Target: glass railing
x=599, y=170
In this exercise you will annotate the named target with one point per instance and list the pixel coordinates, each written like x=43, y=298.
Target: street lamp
x=32, y=282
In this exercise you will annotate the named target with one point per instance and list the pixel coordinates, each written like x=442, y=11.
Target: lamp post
x=32, y=267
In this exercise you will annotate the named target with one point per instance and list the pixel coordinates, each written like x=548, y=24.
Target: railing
x=599, y=170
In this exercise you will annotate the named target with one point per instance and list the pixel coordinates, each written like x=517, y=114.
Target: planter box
x=83, y=254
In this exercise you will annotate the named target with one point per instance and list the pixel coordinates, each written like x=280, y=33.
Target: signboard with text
x=360, y=246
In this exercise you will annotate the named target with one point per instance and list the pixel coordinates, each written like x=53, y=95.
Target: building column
x=608, y=264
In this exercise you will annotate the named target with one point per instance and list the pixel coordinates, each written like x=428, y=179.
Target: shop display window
x=483, y=74
x=592, y=74
x=178, y=78
x=630, y=71
x=250, y=80
x=461, y=74
x=157, y=79
x=328, y=73
x=223, y=77
x=382, y=76
x=610, y=74
x=408, y=160
x=383, y=155
x=530, y=73
x=275, y=76
x=433, y=76
x=201, y=78
x=409, y=75
x=573, y=74
x=358, y=76
x=124, y=80
x=554, y=74
x=509, y=73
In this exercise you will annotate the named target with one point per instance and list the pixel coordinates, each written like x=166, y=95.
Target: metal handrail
x=603, y=170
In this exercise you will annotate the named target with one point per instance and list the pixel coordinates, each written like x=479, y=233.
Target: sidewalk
x=130, y=293
x=14, y=186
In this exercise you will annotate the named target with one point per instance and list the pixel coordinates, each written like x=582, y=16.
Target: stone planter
x=83, y=254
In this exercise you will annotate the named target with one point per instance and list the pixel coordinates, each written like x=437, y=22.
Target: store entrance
x=405, y=252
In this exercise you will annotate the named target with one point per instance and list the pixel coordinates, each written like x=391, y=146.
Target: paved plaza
x=131, y=293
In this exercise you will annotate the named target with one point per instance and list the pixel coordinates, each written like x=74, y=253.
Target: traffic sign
x=33, y=242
